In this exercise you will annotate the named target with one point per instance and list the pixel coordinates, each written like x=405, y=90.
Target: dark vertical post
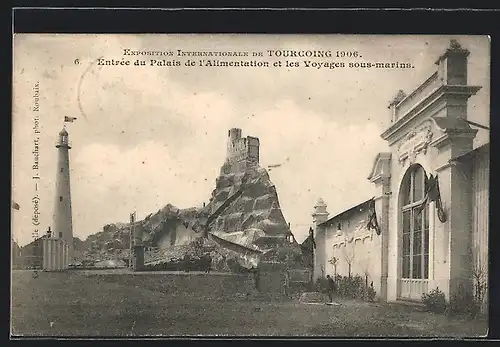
x=131, y=242
x=139, y=258
x=312, y=264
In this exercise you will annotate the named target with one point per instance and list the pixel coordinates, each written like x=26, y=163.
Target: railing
x=412, y=289
x=417, y=95
x=62, y=144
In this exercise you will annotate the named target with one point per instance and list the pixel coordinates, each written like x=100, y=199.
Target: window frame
x=408, y=194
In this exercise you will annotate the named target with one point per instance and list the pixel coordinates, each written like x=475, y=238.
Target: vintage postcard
x=250, y=185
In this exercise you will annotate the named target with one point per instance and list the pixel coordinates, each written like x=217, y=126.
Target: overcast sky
x=148, y=136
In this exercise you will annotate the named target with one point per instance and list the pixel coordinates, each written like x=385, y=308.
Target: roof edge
x=327, y=222
x=483, y=148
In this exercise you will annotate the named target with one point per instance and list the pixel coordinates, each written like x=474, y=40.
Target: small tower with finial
x=63, y=222
x=320, y=213
x=317, y=234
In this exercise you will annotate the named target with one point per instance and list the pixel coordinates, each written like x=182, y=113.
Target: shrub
x=463, y=302
x=353, y=287
x=435, y=301
x=371, y=293
x=357, y=287
x=321, y=285
x=350, y=287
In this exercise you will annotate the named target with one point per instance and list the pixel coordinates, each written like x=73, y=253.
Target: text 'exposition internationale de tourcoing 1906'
x=290, y=59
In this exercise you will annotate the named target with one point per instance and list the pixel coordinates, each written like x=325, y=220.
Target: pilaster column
x=319, y=215
x=380, y=176
x=454, y=269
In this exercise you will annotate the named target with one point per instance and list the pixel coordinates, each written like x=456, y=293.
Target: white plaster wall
x=365, y=247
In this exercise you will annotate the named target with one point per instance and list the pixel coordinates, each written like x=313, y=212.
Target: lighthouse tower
x=63, y=225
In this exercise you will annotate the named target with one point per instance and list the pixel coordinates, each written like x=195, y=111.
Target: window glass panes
x=406, y=266
x=417, y=243
x=415, y=226
x=418, y=184
x=417, y=219
x=426, y=217
x=407, y=191
x=406, y=221
x=417, y=266
x=426, y=241
x=426, y=266
x=406, y=244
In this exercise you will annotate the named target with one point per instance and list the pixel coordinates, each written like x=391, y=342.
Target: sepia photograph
x=217, y=185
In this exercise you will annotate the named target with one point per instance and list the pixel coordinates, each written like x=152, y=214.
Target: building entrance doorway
x=414, y=235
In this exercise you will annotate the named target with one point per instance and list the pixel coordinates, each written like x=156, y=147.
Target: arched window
x=415, y=225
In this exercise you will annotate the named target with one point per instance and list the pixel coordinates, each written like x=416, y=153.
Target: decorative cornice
x=338, y=244
x=354, y=238
x=380, y=178
x=381, y=157
x=428, y=101
x=364, y=236
x=452, y=134
x=359, y=233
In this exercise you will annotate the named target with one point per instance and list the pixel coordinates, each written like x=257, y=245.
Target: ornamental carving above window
x=415, y=142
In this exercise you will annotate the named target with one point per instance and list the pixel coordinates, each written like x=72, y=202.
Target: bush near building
x=461, y=303
x=349, y=287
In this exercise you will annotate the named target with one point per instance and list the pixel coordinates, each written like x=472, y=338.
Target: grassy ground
x=75, y=304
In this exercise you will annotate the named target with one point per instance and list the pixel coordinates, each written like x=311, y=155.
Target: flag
x=432, y=189
x=69, y=119
x=15, y=205
x=372, y=218
x=432, y=193
x=436, y=196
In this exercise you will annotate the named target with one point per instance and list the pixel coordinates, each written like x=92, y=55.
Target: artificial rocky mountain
x=243, y=209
